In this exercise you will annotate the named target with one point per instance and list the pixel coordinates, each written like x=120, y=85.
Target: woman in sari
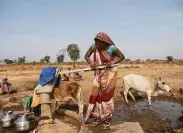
x=101, y=104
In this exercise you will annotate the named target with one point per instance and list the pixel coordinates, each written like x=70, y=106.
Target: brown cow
x=68, y=91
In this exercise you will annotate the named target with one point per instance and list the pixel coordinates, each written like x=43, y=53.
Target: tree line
x=73, y=51
x=168, y=58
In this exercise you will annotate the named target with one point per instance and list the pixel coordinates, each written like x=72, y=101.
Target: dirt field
x=24, y=78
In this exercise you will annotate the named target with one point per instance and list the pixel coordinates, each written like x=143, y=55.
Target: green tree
x=42, y=60
x=60, y=58
x=34, y=62
x=155, y=60
x=21, y=60
x=7, y=61
x=73, y=52
x=47, y=59
x=15, y=61
x=170, y=58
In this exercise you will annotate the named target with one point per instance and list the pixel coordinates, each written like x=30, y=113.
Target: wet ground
x=164, y=109
x=161, y=117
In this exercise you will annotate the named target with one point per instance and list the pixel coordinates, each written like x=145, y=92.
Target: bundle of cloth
x=49, y=79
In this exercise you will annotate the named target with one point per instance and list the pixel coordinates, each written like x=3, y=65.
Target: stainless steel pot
x=8, y=119
x=22, y=123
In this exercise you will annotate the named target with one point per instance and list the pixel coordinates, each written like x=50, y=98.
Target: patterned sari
x=101, y=104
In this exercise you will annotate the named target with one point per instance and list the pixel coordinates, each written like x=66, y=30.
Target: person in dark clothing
x=65, y=78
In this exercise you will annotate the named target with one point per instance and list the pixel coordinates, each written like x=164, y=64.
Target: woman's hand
x=108, y=65
x=93, y=66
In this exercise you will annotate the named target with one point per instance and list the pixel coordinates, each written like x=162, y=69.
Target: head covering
x=4, y=78
x=104, y=37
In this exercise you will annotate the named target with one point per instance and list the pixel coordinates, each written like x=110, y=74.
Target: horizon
x=80, y=61
x=140, y=29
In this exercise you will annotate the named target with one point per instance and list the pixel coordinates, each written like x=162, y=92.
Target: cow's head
x=162, y=84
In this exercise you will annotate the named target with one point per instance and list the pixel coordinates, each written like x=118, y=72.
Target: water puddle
x=162, y=109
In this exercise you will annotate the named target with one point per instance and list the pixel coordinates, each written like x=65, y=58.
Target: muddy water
x=162, y=109
x=162, y=116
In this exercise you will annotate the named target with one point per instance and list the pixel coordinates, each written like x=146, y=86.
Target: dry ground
x=24, y=78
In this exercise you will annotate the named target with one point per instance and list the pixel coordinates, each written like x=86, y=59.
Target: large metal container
x=23, y=124
x=8, y=119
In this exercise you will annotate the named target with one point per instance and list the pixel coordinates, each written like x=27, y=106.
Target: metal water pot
x=9, y=118
x=2, y=113
x=23, y=123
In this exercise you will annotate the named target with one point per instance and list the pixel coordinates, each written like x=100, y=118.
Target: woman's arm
x=87, y=58
x=120, y=57
x=88, y=54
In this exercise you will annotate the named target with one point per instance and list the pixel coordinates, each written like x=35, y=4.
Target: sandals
x=106, y=126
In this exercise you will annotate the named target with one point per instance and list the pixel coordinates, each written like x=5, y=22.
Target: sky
x=141, y=29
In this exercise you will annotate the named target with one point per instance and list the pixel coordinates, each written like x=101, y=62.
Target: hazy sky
x=140, y=28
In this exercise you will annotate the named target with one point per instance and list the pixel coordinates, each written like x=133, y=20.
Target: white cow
x=149, y=85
